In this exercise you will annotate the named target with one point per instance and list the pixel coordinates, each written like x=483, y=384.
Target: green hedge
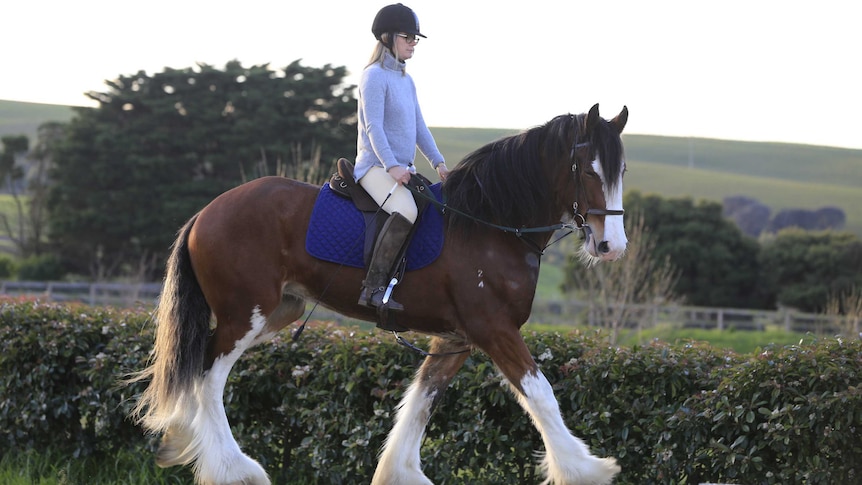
x=317, y=411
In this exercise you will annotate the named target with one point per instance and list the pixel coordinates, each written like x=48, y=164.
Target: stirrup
x=376, y=300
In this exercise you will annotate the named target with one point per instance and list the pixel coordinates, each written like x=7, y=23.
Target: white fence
x=114, y=294
x=563, y=312
x=646, y=316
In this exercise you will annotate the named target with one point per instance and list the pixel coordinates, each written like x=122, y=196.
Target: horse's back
x=256, y=206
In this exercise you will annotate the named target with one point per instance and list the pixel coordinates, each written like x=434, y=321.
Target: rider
x=390, y=128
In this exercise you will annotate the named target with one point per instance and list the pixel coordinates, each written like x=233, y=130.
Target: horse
x=239, y=272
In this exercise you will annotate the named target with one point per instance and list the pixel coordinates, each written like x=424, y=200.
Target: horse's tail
x=182, y=325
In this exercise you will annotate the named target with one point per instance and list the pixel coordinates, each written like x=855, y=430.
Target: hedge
x=318, y=410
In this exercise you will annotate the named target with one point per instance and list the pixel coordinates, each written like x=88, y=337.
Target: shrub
x=318, y=410
x=7, y=267
x=45, y=267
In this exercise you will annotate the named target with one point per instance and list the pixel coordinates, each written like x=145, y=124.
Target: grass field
x=46, y=468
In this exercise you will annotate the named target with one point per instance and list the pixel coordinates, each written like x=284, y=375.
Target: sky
x=755, y=70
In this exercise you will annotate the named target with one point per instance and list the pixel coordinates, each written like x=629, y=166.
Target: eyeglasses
x=410, y=38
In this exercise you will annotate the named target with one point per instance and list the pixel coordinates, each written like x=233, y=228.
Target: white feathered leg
x=567, y=460
x=217, y=456
x=400, y=462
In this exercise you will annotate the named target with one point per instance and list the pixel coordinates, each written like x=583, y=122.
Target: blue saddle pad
x=336, y=232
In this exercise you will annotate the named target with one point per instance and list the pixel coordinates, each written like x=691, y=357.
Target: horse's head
x=598, y=168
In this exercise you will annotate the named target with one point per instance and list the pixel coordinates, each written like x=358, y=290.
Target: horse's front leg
x=567, y=460
x=400, y=462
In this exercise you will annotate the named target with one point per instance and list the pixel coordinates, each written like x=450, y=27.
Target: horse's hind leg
x=179, y=445
x=200, y=431
x=400, y=462
x=567, y=460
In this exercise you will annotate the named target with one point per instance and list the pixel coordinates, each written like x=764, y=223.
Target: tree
x=848, y=306
x=717, y=264
x=616, y=289
x=38, y=184
x=824, y=218
x=749, y=214
x=803, y=269
x=158, y=148
x=11, y=176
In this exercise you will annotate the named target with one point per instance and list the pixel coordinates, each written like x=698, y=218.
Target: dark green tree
x=805, y=269
x=38, y=185
x=13, y=147
x=12, y=175
x=716, y=263
x=158, y=148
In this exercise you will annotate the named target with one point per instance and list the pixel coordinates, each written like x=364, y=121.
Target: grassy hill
x=779, y=175
x=17, y=118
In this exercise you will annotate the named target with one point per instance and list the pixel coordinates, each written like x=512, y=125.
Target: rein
x=518, y=231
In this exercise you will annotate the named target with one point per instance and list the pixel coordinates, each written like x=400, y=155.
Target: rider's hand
x=442, y=171
x=400, y=174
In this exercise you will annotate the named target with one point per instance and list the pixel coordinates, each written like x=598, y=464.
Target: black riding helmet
x=395, y=18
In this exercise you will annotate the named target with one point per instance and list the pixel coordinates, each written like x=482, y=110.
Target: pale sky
x=758, y=70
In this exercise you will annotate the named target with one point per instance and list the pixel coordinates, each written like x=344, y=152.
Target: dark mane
x=506, y=182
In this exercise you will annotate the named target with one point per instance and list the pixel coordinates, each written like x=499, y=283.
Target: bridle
x=579, y=219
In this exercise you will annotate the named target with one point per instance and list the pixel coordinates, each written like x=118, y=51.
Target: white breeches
x=378, y=183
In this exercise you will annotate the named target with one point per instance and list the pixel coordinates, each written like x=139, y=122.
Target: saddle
x=344, y=184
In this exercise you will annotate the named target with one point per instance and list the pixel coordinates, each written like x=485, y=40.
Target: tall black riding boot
x=387, y=250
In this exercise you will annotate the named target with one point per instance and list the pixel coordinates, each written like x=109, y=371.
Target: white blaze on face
x=614, y=231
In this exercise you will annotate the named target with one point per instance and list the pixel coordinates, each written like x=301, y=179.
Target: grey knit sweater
x=390, y=121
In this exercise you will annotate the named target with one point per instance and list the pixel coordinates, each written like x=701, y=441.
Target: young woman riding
x=390, y=128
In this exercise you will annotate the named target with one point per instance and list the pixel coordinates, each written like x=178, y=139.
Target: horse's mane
x=506, y=181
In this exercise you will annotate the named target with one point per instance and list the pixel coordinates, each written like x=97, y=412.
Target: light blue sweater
x=390, y=121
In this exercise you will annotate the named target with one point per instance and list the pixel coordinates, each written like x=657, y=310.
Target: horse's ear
x=620, y=121
x=593, y=116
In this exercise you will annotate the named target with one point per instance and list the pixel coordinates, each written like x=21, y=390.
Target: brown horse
x=242, y=261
